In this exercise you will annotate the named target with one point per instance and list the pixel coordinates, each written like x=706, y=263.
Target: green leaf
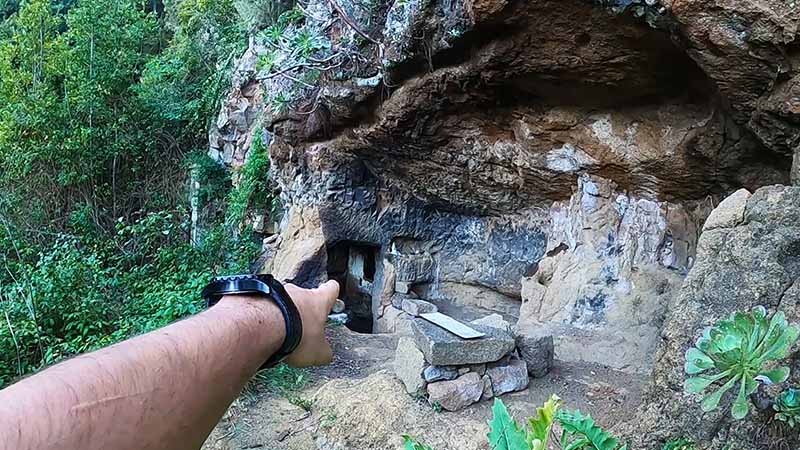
x=711, y=402
x=580, y=431
x=741, y=406
x=695, y=385
x=542, y=423
x=410, y=443
x=697, y=361
x=777, y=375
x=504, y=432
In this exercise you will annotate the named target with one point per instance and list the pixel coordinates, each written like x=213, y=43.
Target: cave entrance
x=353, y=265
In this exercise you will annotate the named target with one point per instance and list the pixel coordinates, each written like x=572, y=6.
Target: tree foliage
x=104, y=108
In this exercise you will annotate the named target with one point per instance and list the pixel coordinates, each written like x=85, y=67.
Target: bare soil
x=267, y=420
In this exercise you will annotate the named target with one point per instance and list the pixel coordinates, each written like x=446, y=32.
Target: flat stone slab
x=442, y=348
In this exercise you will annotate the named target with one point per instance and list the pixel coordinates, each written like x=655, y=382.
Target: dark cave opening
x=354, y=265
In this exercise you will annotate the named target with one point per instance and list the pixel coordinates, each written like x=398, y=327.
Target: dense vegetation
x=104, y=107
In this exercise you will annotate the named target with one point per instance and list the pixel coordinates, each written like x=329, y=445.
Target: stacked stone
x=454, y=373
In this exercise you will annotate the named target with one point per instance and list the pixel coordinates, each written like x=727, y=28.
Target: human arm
x=164, y=390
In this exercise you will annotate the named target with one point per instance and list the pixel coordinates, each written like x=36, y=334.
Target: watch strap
x=267, y=286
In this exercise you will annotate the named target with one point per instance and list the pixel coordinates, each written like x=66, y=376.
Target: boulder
x=439, y=373
x=446, y=349
x=409, y=364
x=415, y=307
x=456, y=394
x=494, y=321
x=302, y=254
x=535, y=347
x=729, y=213
x=509, y=377
x=756, y=261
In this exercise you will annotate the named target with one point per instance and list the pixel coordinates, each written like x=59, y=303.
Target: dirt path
x=355, y=403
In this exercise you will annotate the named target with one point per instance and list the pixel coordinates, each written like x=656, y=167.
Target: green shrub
x=736, y=350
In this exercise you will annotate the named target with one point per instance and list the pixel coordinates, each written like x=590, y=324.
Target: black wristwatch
x=268, y=287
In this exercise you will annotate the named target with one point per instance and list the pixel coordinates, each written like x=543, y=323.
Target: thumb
x=328, y=292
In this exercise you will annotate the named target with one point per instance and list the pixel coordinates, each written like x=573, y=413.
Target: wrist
x=258, y=320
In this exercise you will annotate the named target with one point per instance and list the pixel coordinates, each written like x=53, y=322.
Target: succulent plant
x=736, y=350
x=787, y=407
x=679, y=444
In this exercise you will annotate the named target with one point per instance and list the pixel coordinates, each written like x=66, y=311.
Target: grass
x=282, y=380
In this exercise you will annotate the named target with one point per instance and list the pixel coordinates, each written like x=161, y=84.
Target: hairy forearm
x=175, y=383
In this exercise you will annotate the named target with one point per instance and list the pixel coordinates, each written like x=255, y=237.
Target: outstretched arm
x=164, y=390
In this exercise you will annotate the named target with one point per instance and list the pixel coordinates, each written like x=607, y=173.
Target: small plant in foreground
x=787, y=407
x=580, y=432
x=505, y=433
x=410, y=443
x=679, y=444
x=736, y=350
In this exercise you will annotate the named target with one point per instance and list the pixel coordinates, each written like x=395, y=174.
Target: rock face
x=740, y=264
x=442, y=348
x=614, y=261
x=550, y=161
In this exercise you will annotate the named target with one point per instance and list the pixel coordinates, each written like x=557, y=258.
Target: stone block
x=415, y=307
x=536, y=349
x=456, y=394
x=443, y=348
x=432, y=374
x=508, y=378
x=494, y=321
x=487, y=388
x=409, y=364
